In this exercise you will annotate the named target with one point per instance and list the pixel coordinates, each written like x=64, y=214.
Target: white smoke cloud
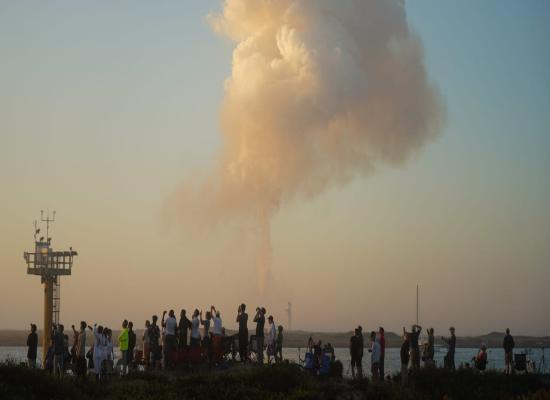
x=321, y=91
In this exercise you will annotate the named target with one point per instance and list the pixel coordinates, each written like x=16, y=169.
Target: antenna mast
x=416, y=304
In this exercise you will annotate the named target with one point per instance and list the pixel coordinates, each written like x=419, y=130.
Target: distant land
x=300, y=338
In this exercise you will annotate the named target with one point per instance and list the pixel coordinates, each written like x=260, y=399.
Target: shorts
x=356, y=360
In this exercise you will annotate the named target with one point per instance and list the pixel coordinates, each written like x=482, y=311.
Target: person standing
x=170, y=326
x=375, y=357
x=242, y=319
x=271, y=336
x=154, y=343
x=59, y=351
x=131, y=345
x=32, y=344
x=80, y=351
x=355, y=354
x=147, y=344
x=508, y=346
x=260, y=324
x=195, y=329
x=217, y=344
x=449, y=360
x=183, y=329
x=123, y=345
x=279, y=349
x=404, y=354
x=382, y=340
x=100, y=349
x=414, y=336
x=431, y=346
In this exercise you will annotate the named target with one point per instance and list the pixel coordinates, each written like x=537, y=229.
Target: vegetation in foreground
x=283, y=381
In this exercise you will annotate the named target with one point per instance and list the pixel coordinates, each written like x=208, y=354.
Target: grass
x=284, y=381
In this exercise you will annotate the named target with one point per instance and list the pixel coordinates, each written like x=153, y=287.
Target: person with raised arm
x=242, y=320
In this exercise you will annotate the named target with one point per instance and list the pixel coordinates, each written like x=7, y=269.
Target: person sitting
x=480, y=360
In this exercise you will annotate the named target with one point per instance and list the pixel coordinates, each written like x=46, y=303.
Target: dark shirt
x=243, y=323
x=414, y=339
x=183, y=327
x=361, y=344
x=280, y=341
x=405, y=352
x=354, y=346
x=131, y=341
x=32, y=342
x=154, y=335
x=508, y=343
x=58, y=343
x=452, y=343
x=260, y=323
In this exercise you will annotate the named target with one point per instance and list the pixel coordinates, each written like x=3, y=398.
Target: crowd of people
x=161, y=343
x=411, y=356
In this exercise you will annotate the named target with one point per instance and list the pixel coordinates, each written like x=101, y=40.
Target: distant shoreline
x=295, y=339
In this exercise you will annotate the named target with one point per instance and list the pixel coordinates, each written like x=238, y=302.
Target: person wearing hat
x=449, y=360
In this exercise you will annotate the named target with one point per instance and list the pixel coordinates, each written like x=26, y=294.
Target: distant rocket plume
x=321, y=91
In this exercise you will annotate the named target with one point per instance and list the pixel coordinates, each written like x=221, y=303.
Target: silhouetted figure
x=170, y=326
x=449, y=360
x=195, y=329
x=80, y=350
x=271, y=337
x=405, y=357
x=279, y=347
x=59, y=351
x=147, y=344
x=414, y=336
x=382, y=340
x=259, y=319
x=375, y=356
x=428, y=352
x=508, y=346
x=131, y=345
x=154, y=343
x=217, y=335
x=356, y=356
x=32, y=344
x=242, y=319
x=183, y=329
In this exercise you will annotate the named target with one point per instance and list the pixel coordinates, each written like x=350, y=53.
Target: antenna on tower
x=289, y=312
x=47, y=221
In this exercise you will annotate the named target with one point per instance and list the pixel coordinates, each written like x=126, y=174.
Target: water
x=392, y=360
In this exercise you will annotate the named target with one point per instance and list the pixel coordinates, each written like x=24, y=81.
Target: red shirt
x=382, y=345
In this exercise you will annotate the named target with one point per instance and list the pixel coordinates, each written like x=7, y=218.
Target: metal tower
x=289, y=312
x=50, y=265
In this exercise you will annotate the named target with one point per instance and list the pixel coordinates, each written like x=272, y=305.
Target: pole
x=416, y=304
x=48, y=306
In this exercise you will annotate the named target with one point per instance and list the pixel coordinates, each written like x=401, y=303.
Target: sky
x=107, y=107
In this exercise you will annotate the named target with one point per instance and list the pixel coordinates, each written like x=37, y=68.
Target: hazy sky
x=106, y=107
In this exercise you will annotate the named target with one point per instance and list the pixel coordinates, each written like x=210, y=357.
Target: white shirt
x=171, y=325
x=376, y=352
x=217, y=325
x=271, y=334
x=195, y=324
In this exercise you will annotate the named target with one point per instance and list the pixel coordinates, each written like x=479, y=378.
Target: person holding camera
x=242, y=320
x=259, y=319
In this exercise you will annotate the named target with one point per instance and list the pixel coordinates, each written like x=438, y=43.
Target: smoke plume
x=321, y=91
